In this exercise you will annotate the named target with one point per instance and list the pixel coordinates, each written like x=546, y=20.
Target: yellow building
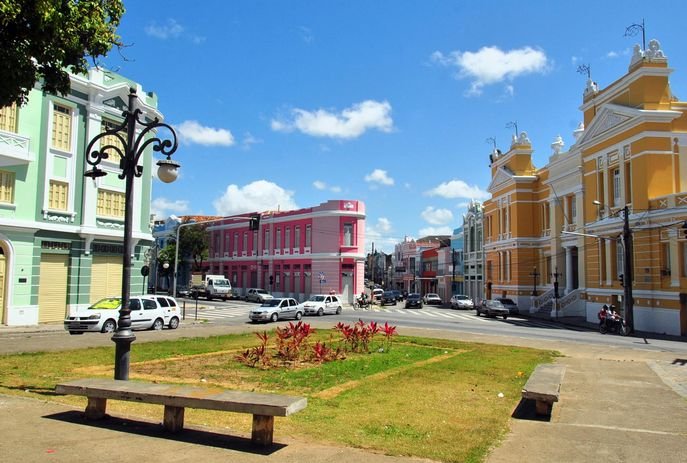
x=563, y=222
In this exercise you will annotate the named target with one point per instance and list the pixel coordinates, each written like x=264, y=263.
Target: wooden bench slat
x=185, y=396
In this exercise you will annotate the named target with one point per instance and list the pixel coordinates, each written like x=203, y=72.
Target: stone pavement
x=617, y=404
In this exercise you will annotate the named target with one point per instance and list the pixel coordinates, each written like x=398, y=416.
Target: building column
x=568, y=270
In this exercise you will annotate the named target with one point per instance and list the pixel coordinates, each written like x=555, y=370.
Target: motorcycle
x=614, y=325
x=361, y=303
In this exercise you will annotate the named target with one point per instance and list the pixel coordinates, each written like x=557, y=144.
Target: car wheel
x=76, y=332
x=224, y=299
x=299, y=315
x=209, y=297
x=505, y=317
x=174, y=323
x=274, y=317
x=338, y=310
x=320, y=312
x=158, y=324
x=109, y=326
x=477, y=312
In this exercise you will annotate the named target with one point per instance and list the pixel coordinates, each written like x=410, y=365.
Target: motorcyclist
x=603, y=315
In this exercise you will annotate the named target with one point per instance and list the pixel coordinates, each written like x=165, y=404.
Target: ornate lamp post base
x=123, y=340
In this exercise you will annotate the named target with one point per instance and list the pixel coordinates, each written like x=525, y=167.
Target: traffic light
x=684, y=229
x=271, y=280
x=621, y=278
x=254, y=222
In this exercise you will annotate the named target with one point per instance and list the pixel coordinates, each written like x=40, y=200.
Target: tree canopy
x=193, y=242
x=46, y=39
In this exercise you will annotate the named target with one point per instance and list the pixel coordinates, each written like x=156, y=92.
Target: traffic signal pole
x=628, y=302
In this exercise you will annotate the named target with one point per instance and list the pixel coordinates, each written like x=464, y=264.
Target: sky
x=397, y=103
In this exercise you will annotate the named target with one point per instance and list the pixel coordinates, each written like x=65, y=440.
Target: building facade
x=294, y=253
x=554, y=238
x=407, y=263
x=61, y=234
x=473, y=254
x=456, y=264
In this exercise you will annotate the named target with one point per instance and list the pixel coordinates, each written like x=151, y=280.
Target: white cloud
x=491, y=65
x=437, y=216
x=350, y=123
x=458, y=189
x=163, y=207
x=249, y=140
x=436, y=231
x=379, y=234
x=170, y=29
x=193, y=132
x=306, y=34
x=611, y=54
x=379, y=176
x=260, y=195
x=320, y=185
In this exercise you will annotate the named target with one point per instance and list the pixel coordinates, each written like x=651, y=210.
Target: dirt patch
x=336, y=390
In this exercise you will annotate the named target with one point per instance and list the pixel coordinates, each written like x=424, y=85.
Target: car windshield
x=107, y=303
x=317, y=298
x=462, y=298
x=432, y=295
x=271, y=303
x=507, y=301
x=220, y=282
x=388, y=293
x=496, y=304
x=413, y=296
x=261, y=291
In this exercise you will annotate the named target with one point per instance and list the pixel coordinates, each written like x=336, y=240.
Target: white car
x=147, y=312
x=320, y=304
x=432, y=298
x=258, y=295
x=276, y=309
x=461, y=301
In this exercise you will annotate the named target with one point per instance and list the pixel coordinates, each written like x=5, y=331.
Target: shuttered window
x=8, y=118
x=58, y=195
x=6, y=187
x=110, y=203
x=61, y=128
x=111, y=139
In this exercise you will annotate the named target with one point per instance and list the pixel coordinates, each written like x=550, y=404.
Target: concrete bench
x=544, y=386
x=175, y=398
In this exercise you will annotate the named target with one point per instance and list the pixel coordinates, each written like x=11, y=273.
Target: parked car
x=492, y=308
x=413, y=300
x=432, y=298
x=461, y=301
x=320, y=304
x=398, y=294
x=147, y=312
x=388, y=297
x=276, y=309
x=257, y=295
x=509, y=304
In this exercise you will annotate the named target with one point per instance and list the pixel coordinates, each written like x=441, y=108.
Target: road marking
x=619, y=428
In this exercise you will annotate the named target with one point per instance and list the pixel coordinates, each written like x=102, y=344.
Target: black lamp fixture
x=130, y=148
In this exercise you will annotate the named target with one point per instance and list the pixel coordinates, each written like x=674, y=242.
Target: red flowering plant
x=389, y=332
x=257, y=354
x=358, y=337
x=291, y=340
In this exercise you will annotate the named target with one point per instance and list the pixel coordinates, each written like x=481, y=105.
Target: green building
x=61, y=233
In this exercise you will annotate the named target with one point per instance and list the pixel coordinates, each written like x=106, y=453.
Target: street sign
x=322, y=277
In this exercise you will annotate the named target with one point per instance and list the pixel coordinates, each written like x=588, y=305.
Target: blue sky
x=286, y=104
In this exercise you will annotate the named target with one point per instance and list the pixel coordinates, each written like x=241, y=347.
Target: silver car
x=461, y=301
x=276, y=309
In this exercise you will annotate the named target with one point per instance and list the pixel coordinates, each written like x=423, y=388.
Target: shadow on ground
x=155, y=430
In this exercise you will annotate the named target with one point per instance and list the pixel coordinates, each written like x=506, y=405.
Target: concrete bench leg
x=263, y=430
x=174, y=418
x=543, y=408
x=95, y=410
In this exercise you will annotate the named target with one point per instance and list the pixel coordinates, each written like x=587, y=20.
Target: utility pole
x=555, y=276
x=372, y=262
x=628, y=302
x=453, y=279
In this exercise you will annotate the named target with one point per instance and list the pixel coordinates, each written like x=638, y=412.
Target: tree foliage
x=46, y=39
x=194, y=242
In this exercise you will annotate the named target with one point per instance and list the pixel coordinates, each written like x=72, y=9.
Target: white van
x=377, y=295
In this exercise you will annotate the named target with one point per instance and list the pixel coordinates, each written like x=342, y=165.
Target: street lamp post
x=129, y=150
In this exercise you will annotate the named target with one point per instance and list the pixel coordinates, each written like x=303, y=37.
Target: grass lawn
x=429, y=398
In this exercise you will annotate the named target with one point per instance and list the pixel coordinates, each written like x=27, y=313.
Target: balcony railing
x=14, y=149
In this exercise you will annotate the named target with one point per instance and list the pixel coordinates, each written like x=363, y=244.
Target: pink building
x=294, y=253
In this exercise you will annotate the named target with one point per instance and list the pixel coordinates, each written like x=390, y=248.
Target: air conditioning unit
x=226, y=254
x=243, y=254
x=233, y=254
x=295, y=251
x=277, y=252
x=285, y=251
